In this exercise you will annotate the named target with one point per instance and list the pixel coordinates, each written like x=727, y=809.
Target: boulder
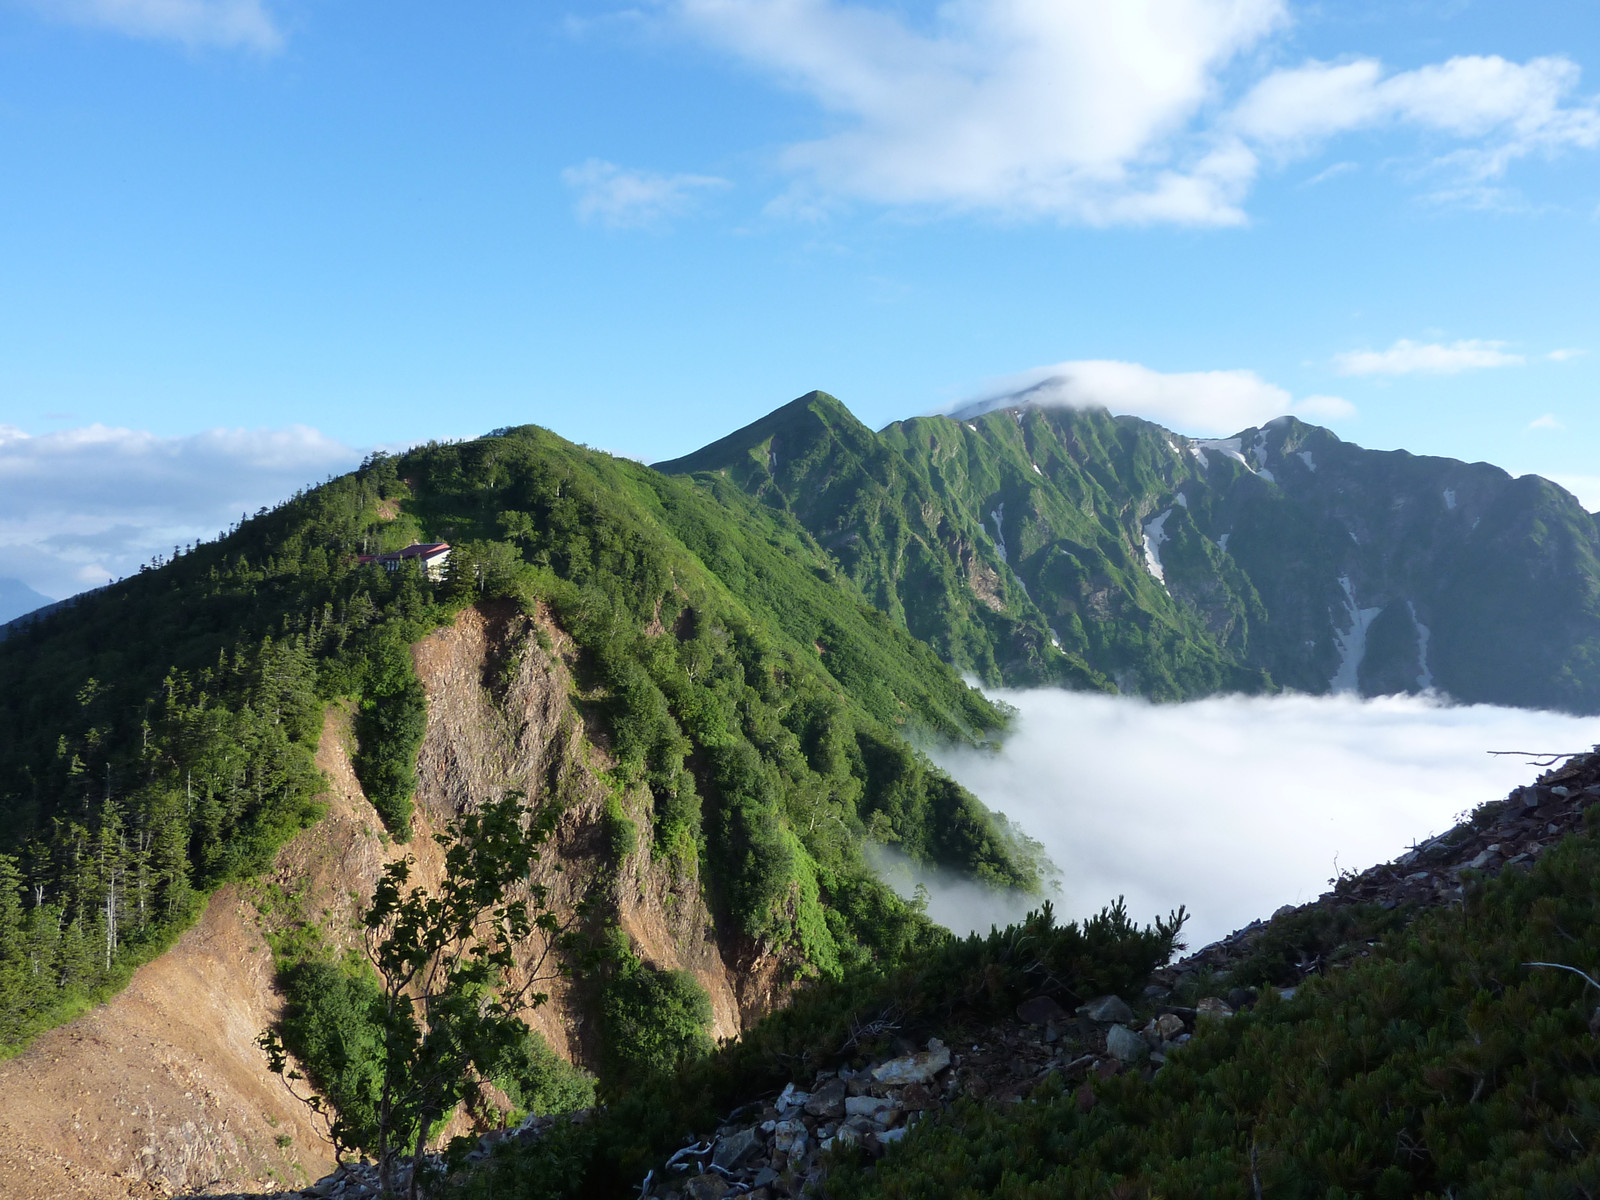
x=914, y=1068
x=705, y=1187
x=1126, y=1045
x=828, y=1100
x=732, y=1150
x=874, y=1108
x=1106, y=1010
x=1212, y=1009
x=789, y=1137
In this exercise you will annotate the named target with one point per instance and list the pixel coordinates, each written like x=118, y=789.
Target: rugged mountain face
x=1056, y=545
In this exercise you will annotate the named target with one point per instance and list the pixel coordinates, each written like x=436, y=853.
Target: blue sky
x=243, y=240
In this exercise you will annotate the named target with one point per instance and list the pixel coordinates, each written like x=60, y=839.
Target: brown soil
x=162, y=1090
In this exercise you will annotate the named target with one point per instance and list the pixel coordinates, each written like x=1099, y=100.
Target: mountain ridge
x=1071, y=547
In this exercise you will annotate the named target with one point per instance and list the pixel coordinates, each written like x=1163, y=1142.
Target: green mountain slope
x=161, y=731
x=1043, y=545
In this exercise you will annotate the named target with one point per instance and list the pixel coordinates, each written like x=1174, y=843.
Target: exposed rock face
x=162, y=1090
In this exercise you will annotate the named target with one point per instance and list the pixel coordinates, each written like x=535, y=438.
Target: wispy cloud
x=1202, y=403
x=1234, y=806
x=1565, y=355
x=1406, y=357
x=84, y=506
x=629, y=199
x=1106, y=114
x=1548, y=421
x=228, y=24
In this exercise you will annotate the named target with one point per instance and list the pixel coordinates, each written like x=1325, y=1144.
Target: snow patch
x=1054, y=640
x=1222, y=542
x=972, y=427
x=1173, y=446
x=1036, y=470
x=998, y=516
x=1267, y=475
x=1424, y=680
x=1228, y=447
x=1154, y=535
x=1201, y=455
x=1180, y=498
x=1305, y=457
x=1450, y=499
x=1352, y=642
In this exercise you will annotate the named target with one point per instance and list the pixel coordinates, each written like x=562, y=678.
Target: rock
x=1212, y=1009
x=916, y=1097
x=1126, y=1045
x=705, y=1187
x=828, y=1100
x=1287, y=993
x=1165, y=1027
x=1107, y=1009
x=1484, y=858
x=790, y=1138
x=914, y=1068
x=1282, y=911
x=765, y=1177
x=848, y=1135
x=1241, y=998
x=791, y=1097
x=874, y=1108
x=889, y=1136
x=732, y=1150
x=1041, y=1010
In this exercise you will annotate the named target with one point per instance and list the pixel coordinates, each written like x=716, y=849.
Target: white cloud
x=624, y=198
x=1202, y=403
x=1509, y=109
x=1406, y=357
x=230, y=24
x=1548, y=421
x=84, y=506
x=1565, y=355
x=1058, y=107
x=1104, y=113
x=1234, y=806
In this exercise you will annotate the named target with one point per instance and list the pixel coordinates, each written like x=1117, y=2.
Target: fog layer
x=1237, y=805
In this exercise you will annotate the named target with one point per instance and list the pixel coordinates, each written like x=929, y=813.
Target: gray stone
x=869, y=1106
x=765, y=1177
x=914, y=1068
x=732, y=1150
x=791, y=1097
x=1106, y=1009
x=828, y=1100
x=705, y=1187
x=790, y=1138
x=890, y=1136
x=1126, y=1045
x=1212, y=1009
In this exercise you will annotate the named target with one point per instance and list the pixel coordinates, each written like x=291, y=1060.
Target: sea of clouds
x=1231, y=806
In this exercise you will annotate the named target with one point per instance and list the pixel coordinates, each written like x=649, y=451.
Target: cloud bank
x=1201, y=403
x=1235, y=806
x=84, y=506
x=1107, y=114
x=226, y=24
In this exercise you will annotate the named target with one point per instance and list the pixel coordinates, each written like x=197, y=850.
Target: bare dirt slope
x=162, y=1090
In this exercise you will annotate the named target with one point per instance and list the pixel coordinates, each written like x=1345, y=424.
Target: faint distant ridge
x=18, y=601
x=1031, y=542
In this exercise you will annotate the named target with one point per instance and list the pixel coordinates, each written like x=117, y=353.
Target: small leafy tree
x=447, y=1016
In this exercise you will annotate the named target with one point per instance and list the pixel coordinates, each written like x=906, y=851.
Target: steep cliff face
x=502, y=717
x=163, y=1090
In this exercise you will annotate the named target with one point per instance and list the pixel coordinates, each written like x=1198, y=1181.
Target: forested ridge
x=161, y=731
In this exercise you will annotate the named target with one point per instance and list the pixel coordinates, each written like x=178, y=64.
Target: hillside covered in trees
x=161, y=731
